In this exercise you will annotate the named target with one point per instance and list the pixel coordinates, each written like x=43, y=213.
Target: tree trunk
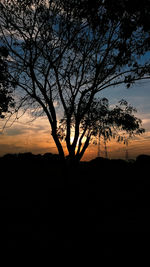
x=98, y=152
x=106, y=153
x=127, y=154
x=59, y=146
x=80, y=155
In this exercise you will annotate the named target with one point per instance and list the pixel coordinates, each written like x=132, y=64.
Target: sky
x=26, y=135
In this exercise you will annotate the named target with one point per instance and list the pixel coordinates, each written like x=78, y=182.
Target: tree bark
x=106, y=152
x=80, y=155
x=58, y=145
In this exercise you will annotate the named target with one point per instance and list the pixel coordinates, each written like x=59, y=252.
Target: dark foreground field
x=100, y=204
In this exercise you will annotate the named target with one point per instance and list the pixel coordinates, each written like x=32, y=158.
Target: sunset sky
x=26, y=135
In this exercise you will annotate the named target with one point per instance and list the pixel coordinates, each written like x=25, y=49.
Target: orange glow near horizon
x=35, y=137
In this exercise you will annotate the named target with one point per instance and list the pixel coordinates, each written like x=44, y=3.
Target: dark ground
x=100, y=204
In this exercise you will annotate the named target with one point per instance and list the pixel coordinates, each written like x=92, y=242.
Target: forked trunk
x=59, y=146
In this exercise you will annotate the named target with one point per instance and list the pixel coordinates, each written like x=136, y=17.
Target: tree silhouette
x=119, y=122
x=6, y=99
x=63, y=53
x=126, y=124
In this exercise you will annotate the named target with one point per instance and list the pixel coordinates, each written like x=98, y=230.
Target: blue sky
x=137, y=95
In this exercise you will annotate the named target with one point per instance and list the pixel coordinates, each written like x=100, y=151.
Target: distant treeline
x=55, y=157
x=50, y=165
x=30, y=156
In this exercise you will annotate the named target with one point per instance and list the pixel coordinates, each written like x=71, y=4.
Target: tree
x=119, y=122
x=126, y=124
x=98, y=122
x=61, y=57
x=6, y=99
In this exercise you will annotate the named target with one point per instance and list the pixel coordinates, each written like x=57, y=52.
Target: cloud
x=15, y=131
x=10, y=148
x=26, y=127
